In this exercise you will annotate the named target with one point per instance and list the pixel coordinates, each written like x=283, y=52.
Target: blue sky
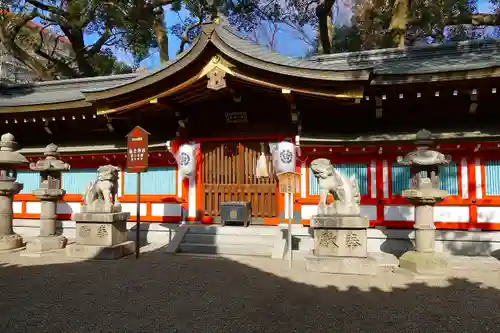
x=288, y=42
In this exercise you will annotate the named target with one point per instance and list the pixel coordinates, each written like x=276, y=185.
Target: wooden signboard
x=289, y=182
x=137, y=161
x=137, y=150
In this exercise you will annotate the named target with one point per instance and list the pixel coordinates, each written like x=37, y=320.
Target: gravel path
x=165, y=293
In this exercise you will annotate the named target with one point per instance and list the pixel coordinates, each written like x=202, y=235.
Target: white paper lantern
x=186, y=160
x=284, y=157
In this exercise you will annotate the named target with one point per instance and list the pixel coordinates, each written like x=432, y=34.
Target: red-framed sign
x=137, y=150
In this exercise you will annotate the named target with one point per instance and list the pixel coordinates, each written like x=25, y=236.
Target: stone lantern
x=424, y=193
x=9, y=161
x=49, y=193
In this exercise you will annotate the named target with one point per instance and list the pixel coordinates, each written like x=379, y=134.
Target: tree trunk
x=325, y=27
x=161, y=36
x=27, y=59
x=399, y=21
x=37, y=67
x=82, y=57
x=330, y=29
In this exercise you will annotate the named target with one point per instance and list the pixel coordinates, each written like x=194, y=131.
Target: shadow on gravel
x=165, y=293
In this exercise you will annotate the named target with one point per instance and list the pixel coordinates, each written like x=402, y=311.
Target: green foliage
x=105, y=63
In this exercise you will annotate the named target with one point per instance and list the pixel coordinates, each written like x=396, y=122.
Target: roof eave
x=74, y=104
x=408, y=78
x=191, y=55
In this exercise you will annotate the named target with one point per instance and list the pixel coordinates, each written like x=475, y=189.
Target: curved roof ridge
x=239, y=44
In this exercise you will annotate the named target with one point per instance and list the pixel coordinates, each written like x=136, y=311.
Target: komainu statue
x=345, y=191
x=102, y=194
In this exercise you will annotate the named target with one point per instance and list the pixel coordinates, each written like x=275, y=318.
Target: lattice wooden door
x=229, y=175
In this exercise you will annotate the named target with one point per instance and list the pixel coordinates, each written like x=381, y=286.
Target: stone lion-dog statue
x=102, y=194
x=345, y=191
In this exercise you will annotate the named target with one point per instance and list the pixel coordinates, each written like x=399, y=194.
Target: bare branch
x=185, y=35
x=112, y=4
x=96, y=48
x=51, y=9
x=59, y=65
x=91, y=13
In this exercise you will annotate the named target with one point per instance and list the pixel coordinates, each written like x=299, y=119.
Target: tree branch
x=480, y=19
x=61, y=66
x=51, y=9
x=96, y=48
x=91, y=13
x=185, y=35
x=19, y=25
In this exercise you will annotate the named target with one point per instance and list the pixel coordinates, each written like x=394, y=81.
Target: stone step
x=234, y=230
x=242, y=250
x=228, y=239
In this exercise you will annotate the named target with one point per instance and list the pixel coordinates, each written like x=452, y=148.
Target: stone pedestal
x=10, y=159
x=101, y=236
x=424, y=260
x=48, y=240
x=8, y=239
x=340, y=245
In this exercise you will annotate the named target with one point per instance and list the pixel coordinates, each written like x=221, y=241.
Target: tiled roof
x=459, y=56
x=57, y=91
x=452, y=57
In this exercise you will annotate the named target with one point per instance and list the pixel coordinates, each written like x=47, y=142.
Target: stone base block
x=425, y=263
x=342, y=265
x=100, y=252
x=101, y=234
x=10, y=242
x=340, y=242
x=46, y=243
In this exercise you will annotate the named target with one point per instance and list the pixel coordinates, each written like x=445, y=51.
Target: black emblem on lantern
x=286, y=156
x=184, y=159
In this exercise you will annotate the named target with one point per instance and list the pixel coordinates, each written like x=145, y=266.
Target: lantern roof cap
x=8, y=153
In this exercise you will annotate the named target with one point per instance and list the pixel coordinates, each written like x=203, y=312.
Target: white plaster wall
x=166, y=209
x=488, y=214
x=68, y=207
x=33, y=207
x=17, y=207
x=158, y=209
x=451, y=214
x=369, y=211
x=132, y=208
x=399, y=213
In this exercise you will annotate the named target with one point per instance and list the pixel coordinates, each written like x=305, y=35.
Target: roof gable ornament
x=216, y=80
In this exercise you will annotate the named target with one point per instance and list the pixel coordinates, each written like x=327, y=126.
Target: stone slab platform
x=100, y=217
x=425, y=263
x=342, y=265
x=48, y=243
x=339, y=221
x=100, y=252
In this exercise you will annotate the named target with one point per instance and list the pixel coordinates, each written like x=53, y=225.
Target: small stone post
x=9, y=160
x=49, y=193
x=424, y=193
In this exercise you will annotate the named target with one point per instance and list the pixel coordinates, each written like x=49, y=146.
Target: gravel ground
x=168, y=293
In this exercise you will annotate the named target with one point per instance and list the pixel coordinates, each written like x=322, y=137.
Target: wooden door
x=229, y=175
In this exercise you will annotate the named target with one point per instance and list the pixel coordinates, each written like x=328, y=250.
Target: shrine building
x=230, y=98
